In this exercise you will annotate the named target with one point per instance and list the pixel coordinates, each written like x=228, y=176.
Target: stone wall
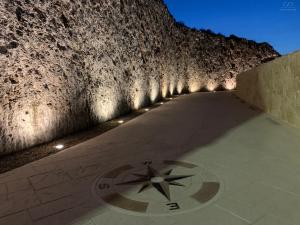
x=274, y=87
x=66, y=65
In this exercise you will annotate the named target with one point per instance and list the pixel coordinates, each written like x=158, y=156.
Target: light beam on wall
x=33, y=123
x=164, y=91
x=172, y=86
x=179, y=86
x=230, y=84
x=139, y=94
x=105, y=102
x=194, y=85
x=154, y=90
x=211, y=85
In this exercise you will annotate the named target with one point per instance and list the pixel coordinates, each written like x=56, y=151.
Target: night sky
x=274, y=21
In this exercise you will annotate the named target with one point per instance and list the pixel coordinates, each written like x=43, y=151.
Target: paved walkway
x=201, y=159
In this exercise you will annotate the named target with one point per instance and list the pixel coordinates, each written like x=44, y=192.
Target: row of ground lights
x=61, y=146
x=147, y=109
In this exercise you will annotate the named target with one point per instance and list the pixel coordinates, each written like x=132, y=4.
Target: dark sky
x=274, y=21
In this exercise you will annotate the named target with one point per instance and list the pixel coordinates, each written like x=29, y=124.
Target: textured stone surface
x=66, y=65
x=274, y=88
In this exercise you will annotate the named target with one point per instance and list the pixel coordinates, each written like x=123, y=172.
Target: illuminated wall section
x=68, y=65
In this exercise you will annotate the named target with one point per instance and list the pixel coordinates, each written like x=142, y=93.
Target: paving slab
x=200, y=159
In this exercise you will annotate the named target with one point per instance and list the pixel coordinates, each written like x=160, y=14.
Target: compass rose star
x=154, y=179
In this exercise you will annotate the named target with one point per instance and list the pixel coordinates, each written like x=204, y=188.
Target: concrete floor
x=201, y=159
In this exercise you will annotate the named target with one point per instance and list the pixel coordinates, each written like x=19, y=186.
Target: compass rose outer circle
x=157, y=188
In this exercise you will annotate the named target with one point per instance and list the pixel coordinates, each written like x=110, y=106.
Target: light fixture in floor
x=147, y=110
x=59, y=146
x=120, y=121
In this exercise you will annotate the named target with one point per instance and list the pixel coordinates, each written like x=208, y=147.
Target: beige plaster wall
x=274, y=87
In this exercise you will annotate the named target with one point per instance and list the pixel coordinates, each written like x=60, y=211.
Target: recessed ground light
x=170, y=98
x=59, y=147
x=121, y=121
x=161, y=103
x=146, y=110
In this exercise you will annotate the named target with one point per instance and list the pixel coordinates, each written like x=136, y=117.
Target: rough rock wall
x=275, y=88
x=66, y=65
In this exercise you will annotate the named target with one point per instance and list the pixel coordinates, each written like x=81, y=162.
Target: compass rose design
x=161, y=187
x=157, y=180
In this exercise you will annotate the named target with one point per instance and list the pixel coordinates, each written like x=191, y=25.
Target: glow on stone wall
x=105, y=102
x=211, y=85
x=164, y=88
x=34, y=123
x=154, y=90
x=194, y=85
x=194, y=78
x=230, y=84
x=139, y=93
x=180, y=85
x=172, y=85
